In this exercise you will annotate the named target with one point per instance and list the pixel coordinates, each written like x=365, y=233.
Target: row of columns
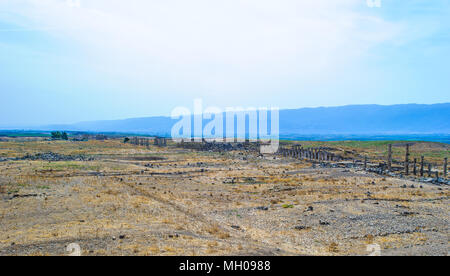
x=160, y=141
x=139, y=141
x=146, y=141
x=421, y=172
x=317, y=154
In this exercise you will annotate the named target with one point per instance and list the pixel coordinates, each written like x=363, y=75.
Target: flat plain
x=113, y=198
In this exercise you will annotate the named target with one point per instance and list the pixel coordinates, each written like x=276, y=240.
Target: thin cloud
x=246, y=52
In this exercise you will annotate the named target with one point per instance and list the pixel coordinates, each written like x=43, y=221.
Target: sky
x=66, y=61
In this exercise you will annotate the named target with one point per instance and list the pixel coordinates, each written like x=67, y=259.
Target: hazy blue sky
x=68, y=61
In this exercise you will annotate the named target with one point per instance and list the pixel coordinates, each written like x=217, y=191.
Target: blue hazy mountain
x=344, y=120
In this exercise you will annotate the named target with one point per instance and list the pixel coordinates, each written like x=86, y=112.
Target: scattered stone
x=51, y=156
x=324, y=222
x=24, y=196
x=405, y=214
x=236, y=227
x=300, y=227
x=262, y=208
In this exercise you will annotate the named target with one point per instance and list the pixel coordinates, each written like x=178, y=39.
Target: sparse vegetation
x=133, y=200
x=57, y=135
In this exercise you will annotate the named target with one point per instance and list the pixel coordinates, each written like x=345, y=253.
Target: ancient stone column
x=415, y=166
x=365, y=163
x=421, y=165
x=407, y=160
x=445, y=167
x=390, y=157
x=429, y=170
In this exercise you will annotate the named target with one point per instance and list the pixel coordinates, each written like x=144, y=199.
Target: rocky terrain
x=113, y=198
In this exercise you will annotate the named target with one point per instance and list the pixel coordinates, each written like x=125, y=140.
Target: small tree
x=126, y=140
x=64, y=136
x=56, y=135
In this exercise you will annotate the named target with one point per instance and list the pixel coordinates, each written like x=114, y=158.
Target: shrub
x=56, y=135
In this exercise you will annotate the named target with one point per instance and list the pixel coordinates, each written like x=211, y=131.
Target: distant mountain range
x=344, y=120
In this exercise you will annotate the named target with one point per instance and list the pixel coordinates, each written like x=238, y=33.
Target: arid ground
x=113, y=198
